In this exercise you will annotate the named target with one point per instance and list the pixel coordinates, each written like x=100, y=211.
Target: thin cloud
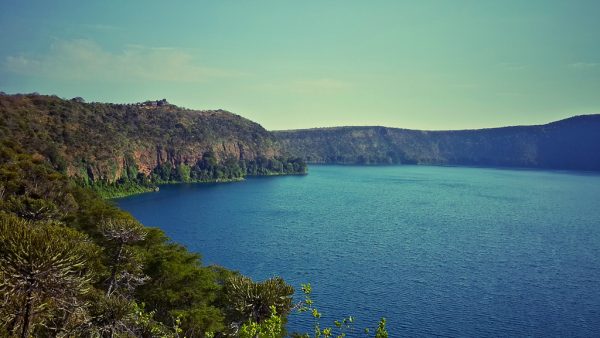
x=86, y=60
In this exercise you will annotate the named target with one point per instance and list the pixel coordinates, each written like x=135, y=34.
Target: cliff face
x=102, y=142
x=107, y=142
x=573, y=143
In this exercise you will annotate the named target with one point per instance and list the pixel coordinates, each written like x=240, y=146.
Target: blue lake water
x=442, y=251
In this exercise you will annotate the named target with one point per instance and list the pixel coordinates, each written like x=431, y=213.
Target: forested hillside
x=572, y=143
x=74, y=265
x=116, y=147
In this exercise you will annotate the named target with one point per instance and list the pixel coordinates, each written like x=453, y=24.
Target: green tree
x=248, y=301
x=126, y=270
x=271, y=327
x=42, y=269
x=183, y=172
x=34, y=209
x=180, y=287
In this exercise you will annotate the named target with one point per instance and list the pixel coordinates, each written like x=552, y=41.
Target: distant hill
x=573, y=143
x=145, y=143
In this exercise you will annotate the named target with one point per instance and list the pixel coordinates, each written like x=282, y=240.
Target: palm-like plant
x=120, y=233
x=250, y=301
x=42, y=269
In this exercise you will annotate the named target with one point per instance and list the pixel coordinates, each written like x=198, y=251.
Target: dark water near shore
x=436, y=250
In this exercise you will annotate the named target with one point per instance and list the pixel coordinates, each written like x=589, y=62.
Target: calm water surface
x=438, y=251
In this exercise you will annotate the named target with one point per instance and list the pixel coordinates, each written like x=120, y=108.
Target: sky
x=300, y=64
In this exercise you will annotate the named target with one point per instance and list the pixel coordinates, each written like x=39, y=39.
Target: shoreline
x=106, y=194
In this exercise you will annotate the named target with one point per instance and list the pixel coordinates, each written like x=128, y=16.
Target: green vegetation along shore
x=74, y=265
x=122, y=149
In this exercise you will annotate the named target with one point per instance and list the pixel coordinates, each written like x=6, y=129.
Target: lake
x=444, y=251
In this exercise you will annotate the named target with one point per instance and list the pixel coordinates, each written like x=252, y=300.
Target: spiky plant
x=125, y=269
x=251, y=301
x=42, y=271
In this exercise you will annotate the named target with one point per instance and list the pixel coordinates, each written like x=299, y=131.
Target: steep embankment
x=572, y=143
x=151, y=142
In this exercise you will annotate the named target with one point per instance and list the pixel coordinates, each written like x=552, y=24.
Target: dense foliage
x=119, y=149
x=568, y=144
x=73, y=265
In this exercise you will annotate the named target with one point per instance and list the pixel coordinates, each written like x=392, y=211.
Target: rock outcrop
x=108, y=142
x=573, y=143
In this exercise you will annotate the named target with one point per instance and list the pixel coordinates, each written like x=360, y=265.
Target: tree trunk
x=113, y=273
x=28, y=313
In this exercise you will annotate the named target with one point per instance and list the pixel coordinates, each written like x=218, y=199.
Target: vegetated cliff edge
x=106, y=144
x=573, y=143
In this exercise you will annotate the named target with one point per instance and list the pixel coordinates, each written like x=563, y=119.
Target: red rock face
x=145, y=161
x=146, y=158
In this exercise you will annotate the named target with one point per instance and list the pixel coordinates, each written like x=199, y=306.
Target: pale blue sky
x=298, y=64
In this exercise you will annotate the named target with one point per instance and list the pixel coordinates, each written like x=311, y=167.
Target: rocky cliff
x=572, y=143
x=103, y=142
